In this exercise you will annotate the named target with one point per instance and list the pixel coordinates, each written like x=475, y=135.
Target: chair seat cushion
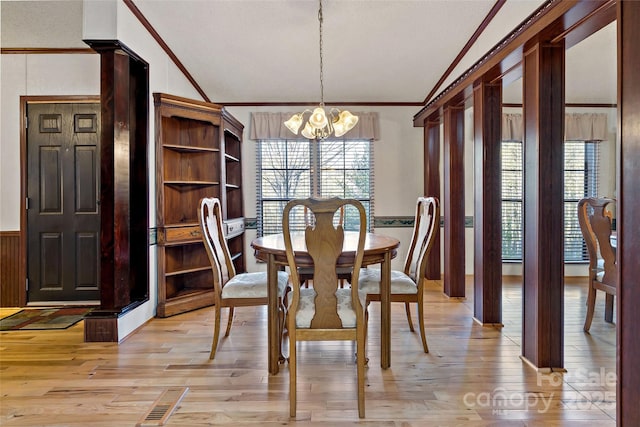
x=252, y=285
x=346, y=312
x=369, y=282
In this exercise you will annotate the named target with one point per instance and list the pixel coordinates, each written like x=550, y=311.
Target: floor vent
x=163, y=407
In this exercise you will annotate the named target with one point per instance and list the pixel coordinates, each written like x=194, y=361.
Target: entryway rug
x=43, y=318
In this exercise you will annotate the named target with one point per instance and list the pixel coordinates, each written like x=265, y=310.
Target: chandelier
x=319, y=125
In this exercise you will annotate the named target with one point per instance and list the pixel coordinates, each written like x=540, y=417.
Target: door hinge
x=26, y=122
x=26, y=203
x=27, y=284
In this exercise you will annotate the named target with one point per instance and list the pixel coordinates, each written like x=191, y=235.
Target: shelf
x=182, y=224
x=232, y=187
x=190, y=270
x=232, y=134
x=181, y=202
x=189, y=148
x=230, y=158
x=191, y=183
x=186, y=300
x=189, y=130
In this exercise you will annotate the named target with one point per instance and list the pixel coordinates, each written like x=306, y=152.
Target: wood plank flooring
x=473, y=375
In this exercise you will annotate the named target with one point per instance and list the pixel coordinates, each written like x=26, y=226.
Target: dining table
x=378, y=249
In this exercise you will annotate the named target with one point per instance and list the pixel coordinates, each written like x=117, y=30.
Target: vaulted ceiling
x=374, y=51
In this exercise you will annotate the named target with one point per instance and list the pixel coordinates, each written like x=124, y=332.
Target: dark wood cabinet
x=198, y=154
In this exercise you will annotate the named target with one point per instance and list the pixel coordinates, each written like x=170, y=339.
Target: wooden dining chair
x=306, y=273
x=232, y=289
x=596, y=224
x=407, y=286
x=325, y=312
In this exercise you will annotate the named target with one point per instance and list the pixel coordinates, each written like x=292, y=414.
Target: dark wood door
x=63, y=221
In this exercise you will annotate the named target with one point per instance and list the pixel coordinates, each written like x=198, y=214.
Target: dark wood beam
x=628, y=215
x=487, y=266
x=124, y=195
x=543, y=262
x=453, y=206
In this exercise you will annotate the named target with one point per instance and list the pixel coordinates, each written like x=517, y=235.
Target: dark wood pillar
x=115, y=200
x=628, y=215
x=487, y=267
x=543, y=263
x=432, y=188
x=453, y=206
x=124, y=196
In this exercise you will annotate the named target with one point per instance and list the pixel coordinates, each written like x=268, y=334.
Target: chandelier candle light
x=319, y=126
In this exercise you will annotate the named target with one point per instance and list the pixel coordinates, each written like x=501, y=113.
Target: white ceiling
x=375, y=51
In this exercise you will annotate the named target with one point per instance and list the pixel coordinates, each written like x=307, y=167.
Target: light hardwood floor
x=473, y=375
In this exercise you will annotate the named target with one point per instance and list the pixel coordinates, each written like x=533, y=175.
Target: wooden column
x=628, y=215
x=487, y=267
x=114, y=187
x=453, y=206
x=543, y=263
x=432, y=188
x=124, y=196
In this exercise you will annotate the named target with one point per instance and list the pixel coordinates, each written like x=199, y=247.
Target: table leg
x=385, y=311
x=272, y=315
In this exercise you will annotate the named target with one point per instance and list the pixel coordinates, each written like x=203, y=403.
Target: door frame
x=24, y=101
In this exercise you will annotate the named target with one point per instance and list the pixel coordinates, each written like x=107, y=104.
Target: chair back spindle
x=426, y=221
x=210, y=218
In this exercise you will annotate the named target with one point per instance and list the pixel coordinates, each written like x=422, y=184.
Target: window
x=289, y=169
x=581, y=163
x=512, y=180
x=581, y=167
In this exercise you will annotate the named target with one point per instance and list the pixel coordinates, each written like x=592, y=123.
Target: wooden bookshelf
x=198, y=155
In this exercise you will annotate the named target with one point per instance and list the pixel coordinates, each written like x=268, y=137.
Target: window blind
x=512, y=180
x=581, y=171
x=290, y=169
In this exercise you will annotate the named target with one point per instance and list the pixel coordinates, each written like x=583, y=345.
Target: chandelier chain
x=322, y=124
x=321, y=76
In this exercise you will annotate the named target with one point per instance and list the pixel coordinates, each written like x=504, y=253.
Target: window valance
x=585, y=127
x=577, y=127
x=512, y=127
x=266, y=126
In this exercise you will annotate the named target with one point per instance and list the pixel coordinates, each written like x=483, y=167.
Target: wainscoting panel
x=9, y=268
